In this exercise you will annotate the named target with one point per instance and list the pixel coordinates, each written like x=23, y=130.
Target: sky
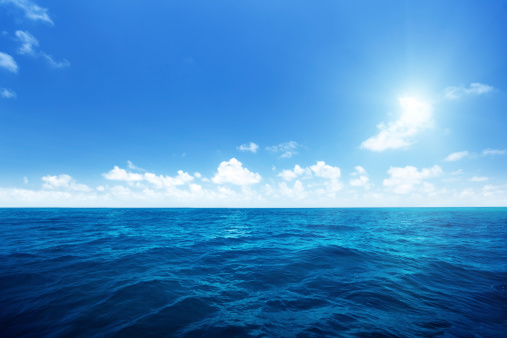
x=253, y=103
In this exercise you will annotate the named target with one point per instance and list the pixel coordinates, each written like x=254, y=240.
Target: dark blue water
x=253, y=272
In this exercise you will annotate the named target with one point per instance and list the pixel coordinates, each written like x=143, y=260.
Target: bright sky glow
x=252, y=104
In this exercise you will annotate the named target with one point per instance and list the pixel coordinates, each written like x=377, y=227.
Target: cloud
x=456, y=92
x=297, y=191
x=55, y=64
x=134, y=167
x=479, y=179
x=362, y=181
x=7, y=94
x=415, y=116
x=289, y=175
x=25, y=180
x=249, y=147
x=7, y=62
x=29, y=46
x=403, y=180
x=465, y=154
x=63, y=182
x=232, y=171
x=321, y=169
x=168, y=181
x=492, y=152
x=28, y=42
x=288, y=149
x=457, y=156
x=31, y=10
x=118, y=174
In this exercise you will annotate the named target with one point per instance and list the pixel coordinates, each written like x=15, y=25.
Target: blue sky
x=253, y=103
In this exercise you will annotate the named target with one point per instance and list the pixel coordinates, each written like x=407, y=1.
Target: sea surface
x=398, y=272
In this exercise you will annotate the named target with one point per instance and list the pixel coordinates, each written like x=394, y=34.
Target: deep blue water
x=253, y=272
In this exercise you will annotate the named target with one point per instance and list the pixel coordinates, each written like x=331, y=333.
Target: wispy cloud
x=492, y=152
x=457, y=156
x=466, y=154
x=415, y=116
x=479, y=179
x=7, y=62
x=249, y=147
x=288, y=149
x=455, y=92
x=29, y=46
x=31, y=10
x=28, y=42
x=7, y=93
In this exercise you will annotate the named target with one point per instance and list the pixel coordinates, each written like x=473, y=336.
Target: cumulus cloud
x=321, y=169
x=7, y=62
x=168, y=181
x=118, y=174
x=403, y=180
x=249, y=147
x=455, y=92
x=297, y=191
x=232, y=171
x=30, y=9
x=63, y=182
x=7, y=94
x=479, y=179
x=457, y=156
x=362, y=179
x=415, y=116
x=288, y=149
x=289, y=175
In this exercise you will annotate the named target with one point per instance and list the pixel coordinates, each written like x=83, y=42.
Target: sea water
x=253, y=272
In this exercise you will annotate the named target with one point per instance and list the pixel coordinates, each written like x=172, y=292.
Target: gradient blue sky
x=253, y=103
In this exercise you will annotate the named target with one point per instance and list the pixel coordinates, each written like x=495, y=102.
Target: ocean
x=388, y=272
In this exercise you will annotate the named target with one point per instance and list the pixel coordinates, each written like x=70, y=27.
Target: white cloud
x=492, y=152
x=168, y=181
x=118, y=174
x=457, y=156
x=362, y=181
x=63, y=182
x=479, y=179
x=289, y=175
x=55, y=64
x=134, y=167
x=31, y=10
x=28, y=42
x=232, y=171
x=25, y=180
x=7, y=94
x=249, y=147
x=415, y=116
x=288, y=149
x=321, y=169
x=7, y=62
x=297, y=191
x=29, y=45
x=456, y=92
x=403, y=180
